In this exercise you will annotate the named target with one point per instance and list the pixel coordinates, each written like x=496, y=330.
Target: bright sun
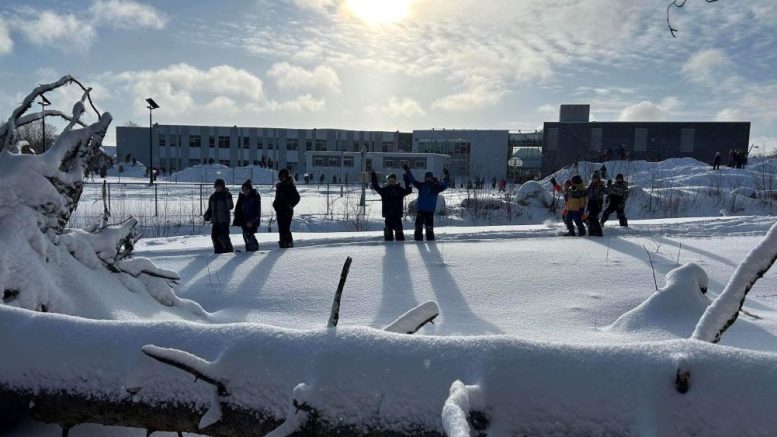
x=376, y=12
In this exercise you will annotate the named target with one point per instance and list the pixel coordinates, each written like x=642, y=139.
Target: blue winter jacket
x=427, y=192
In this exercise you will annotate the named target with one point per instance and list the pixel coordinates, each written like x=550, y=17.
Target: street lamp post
x=151, y=106
x=43, y=103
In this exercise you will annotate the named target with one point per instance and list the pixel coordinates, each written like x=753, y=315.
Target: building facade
x=176, y=147
x=347, y=166
x=473, y=153
x=566, y=142
x=525, y=161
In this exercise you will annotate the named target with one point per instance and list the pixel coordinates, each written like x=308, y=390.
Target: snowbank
x=232, y=175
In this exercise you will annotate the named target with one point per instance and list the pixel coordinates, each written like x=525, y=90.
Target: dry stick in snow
x=724, y=310
x=334, y=315
x=652, y=267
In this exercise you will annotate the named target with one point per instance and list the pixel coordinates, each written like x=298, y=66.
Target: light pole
x=43, y=103
x=151, y=106
x=363, y=200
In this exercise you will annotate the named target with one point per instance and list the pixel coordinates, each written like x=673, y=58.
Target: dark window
x=292, y=144
x=194, y=141
x=223, y=142
x=161, y=140
x=309, y=145
x=320, y=145
x=246, y=143
x=212, y=141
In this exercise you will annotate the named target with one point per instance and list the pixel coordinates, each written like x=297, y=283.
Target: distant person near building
x=286, y=198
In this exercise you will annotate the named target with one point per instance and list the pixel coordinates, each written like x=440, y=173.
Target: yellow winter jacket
x=576, y=197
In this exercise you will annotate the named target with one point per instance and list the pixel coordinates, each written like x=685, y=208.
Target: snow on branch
x=677, y=4
x=457, y=413
x=724, y=310
x=7, y=129
x=201, y=369
x=415, y=319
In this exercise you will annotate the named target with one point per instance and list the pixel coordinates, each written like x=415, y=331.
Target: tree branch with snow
x=724, y=310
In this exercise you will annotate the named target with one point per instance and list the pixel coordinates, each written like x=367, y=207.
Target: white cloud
x=708, y=66
x=6, y=43
x=64, y=31
x=649, y=111
x=399, y=107
x=316, y=5
x=478, y=95
x=548, y=109
x=305, y=102
x=731, y=114
x=184, y=88
x=289, y=76
x=127, y=14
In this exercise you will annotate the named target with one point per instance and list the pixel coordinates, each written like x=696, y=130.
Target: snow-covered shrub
x=43, y=265
x=674, y=309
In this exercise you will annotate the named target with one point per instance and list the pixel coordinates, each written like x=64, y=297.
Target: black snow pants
x=424, y=219
x=594, y=227
x=284, y=231
x=219, y=233
x=393, y=226
x=250, y=239
x=616, y=205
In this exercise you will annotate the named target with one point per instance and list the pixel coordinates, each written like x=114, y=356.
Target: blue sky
x=399, y=64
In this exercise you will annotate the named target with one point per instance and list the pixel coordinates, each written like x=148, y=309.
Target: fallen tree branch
x=186, y=362
x=415, y=319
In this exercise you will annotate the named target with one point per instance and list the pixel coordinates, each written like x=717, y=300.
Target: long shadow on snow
x=453, y=305
x=398, y=293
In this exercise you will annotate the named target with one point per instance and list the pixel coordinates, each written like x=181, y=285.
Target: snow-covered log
x=415, y=319
x=365, y=381
x=724, y=310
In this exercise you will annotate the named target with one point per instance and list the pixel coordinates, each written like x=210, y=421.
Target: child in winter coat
x=248, y=214
x=219, y=205
x=392, y=196
x=576, y=198
x=595, y=192
x=428, y=190
x=617, y=194
x=286, y=198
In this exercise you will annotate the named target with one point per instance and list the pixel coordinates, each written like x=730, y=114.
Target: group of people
x=392, y=203
x=585, y=203
x=248, y=213
x=248, y=210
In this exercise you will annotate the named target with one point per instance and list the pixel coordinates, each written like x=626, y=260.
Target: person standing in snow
x=617, y=194
x=248, y=214
x=392, y=197
x=716, y=162
x=576, y=199
x=595, y=192
x=286, y=198
x=219, y=205
x=428, y=191
x=603, y=172
x=502, y=184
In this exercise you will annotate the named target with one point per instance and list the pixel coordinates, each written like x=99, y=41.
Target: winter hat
x=283, y=173
x=392, y=176
x=219, y=182
x=428, y=174
x=247, y=185
x=618, y=176
x=576, y=179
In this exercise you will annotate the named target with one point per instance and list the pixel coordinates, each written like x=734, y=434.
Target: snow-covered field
x=556, y=333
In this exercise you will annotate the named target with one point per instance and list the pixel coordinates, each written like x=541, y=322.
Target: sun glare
x=377, y=12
